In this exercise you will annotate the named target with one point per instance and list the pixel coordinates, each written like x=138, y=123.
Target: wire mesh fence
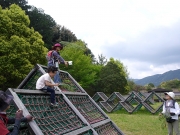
x=24, y=130
x=86, y=108
x=51, y=120
x=68, y=84
x=107, y=129
x=75, y=113
x=31, y=83
x=89, y=132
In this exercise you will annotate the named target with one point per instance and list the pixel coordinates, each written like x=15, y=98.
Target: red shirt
x=3, y=123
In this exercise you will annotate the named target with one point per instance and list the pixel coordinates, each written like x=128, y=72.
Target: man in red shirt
x=5, y=101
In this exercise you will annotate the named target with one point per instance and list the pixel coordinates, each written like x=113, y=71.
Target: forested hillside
x=159, y=78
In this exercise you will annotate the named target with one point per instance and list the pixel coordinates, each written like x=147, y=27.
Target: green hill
x=158, y=78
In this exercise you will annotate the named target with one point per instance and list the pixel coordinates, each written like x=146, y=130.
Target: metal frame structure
x=131, y=104
x=112, y=103
x=99, y=96
x=73, y=95
x=148, y=106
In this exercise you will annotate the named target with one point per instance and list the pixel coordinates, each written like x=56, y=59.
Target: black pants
x=52, y=91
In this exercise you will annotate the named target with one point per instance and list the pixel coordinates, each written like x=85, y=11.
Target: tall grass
x=141, y=122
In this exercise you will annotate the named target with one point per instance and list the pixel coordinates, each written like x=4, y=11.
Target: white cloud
x=151, y=66
x=108, y=25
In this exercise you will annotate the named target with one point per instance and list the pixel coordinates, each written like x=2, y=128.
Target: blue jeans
x=51, y=90
x=57, y=78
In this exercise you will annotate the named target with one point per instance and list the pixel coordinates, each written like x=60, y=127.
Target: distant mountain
x=134, y=80
x=158, y=78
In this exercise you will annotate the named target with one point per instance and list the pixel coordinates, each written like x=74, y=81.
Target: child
x=171, y=112
x=56, y=59
x=5, y=101
x=44, y=83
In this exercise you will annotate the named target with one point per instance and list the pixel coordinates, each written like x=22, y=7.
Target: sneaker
x=55, y=104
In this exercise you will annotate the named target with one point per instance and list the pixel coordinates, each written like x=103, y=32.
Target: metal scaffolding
x=132, y=103
x=77, y=113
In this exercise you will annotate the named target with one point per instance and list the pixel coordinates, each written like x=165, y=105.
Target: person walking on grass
x=44, y=83
x=171, y=112
x=5, y=101
x=54, y=59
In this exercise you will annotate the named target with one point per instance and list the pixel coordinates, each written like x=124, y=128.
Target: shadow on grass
x=142, y=111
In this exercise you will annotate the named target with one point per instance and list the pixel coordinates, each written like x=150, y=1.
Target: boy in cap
x=171, y=112
x=5, y=101
x=44, y=83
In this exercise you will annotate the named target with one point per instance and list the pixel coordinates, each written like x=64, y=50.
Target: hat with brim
x=5, y=100
x=171, y=94
x=57, y=45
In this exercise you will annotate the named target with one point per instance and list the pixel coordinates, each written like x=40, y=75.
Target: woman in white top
x=171, y=112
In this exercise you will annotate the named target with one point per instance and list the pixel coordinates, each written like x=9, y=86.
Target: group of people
x=171, y=108
x=43, y=83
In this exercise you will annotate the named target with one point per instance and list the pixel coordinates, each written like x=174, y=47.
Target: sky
x=143, y=34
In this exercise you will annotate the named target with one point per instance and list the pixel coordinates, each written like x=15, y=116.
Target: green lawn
x=141, y=122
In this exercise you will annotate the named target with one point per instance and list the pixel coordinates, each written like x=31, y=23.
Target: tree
x=138, y=88
x=67, y=35
x=42, y=23
x=149, y=86
x=21, y=47
x=113, y=78
x=22, y=3
x=101, y=60
x=171, y=84
x=83, y=45
x=131, y=85
x=82, y=69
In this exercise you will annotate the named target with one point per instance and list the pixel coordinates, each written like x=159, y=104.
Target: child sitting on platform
x=44, y=83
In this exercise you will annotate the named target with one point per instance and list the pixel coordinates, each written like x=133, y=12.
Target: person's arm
x=17, y=123
x=177, y=109
x=164, y=110
x=12, y=120
x=57, y=56
x=47, y=83
x=16, y=127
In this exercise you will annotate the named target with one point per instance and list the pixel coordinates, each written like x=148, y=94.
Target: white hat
x=171, y=94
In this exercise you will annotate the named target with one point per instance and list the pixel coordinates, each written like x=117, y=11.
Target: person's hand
x=29, y=118
x=19, y=114
x=66, y=63
x=56, y=84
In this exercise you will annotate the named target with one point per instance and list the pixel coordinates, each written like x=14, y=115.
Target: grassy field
x=141, y=122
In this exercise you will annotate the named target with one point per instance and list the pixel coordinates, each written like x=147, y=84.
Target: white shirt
x=41, y=81
x=172, y=110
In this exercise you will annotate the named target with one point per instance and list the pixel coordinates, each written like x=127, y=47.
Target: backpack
x=173, y=105
x=49, y=55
